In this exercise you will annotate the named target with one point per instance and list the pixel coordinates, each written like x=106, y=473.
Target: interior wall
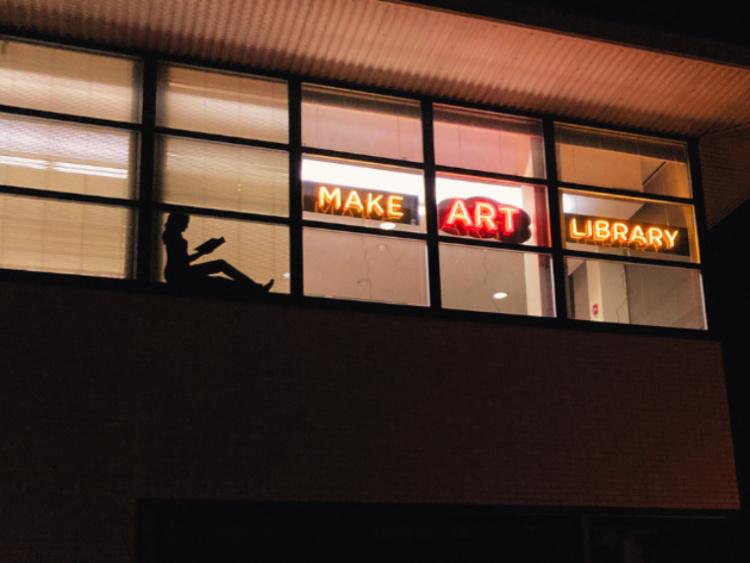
x=673, y=300
x=112, y=396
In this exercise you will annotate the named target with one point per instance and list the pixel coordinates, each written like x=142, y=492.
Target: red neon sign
x=481, y=217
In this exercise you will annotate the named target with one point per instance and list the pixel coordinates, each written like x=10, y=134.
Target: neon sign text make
x=360, y=203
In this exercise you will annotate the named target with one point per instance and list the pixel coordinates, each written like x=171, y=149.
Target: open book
x=210, y=245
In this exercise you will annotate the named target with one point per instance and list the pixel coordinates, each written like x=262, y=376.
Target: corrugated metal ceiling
x=418, y=50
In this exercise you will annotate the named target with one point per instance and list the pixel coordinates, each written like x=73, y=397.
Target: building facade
x=490, y=323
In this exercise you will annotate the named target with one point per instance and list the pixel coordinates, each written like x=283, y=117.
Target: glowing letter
x=484, y=213
x=509, y=223
x=458, y=213
x=620, y=232
x=394, y=206
x=374, y=203
x=655, y=237
x=636, y=235
x=671, y=237
x=353, y=200
x=326, y=198
x=601, y=230
x=574, y=232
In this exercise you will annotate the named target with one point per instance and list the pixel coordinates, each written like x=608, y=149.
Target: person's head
x=177, y=222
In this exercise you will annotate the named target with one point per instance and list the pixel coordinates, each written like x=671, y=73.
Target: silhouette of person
x=180, y=270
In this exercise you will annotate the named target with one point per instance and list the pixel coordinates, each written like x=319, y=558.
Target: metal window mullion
x=594, y=191
x=433, y=242
x=485, y=174
x=553, y=191
x=364, y=158
x=219, y=138
x=710, y=296
x=296, y=266
x=34, y=113
x=145, y=239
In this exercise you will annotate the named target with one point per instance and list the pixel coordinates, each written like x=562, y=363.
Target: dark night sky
x=719, y=20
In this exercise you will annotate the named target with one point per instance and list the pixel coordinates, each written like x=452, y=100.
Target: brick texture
x=725, y=168
x=109, y=397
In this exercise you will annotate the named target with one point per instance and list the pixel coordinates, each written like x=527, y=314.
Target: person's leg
x=220, y=267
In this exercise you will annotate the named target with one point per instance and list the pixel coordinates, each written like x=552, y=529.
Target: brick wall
x=725, y=166
x=108, y=397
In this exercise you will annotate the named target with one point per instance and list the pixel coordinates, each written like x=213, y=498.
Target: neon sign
x=481, y=217
x=626, y=234
x=360, y=203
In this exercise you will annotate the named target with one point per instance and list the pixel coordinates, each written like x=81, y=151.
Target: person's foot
x=268, y=286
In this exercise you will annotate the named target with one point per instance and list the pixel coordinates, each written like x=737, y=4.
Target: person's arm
x=206, y=248
x=193, y=257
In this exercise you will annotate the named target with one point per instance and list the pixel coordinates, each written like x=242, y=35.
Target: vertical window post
x=558, y=263
x=146, y=177
x=696, y=181
x=295, y=196
x=433, y=250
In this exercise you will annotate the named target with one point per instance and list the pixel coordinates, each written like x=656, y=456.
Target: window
x=491, y=142
x=629, y=226
x=355, y=122
x=623, y=292
x=619, y=160
x=363, y=194
x=55, y=235
x=68, y=189
x=222, y=158
x=653, y=231
x=67, y=157
x=233, y=177
x=496, y=281
x=223, y=103
x=337, y=193
x=490, y=212
x=346, y=265
x=369, y=201
x=70, y=82
x=488, y=209
x=259, y=250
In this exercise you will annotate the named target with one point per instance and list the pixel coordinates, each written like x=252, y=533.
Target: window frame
x=152, y=207
x=136, y=128
x=147, y=206
x=695, y=202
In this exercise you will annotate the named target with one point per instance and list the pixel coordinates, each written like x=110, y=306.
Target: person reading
x=180, y=268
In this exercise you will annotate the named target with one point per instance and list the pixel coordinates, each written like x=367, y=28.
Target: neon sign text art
x=481, y=217
x=360, y=203
x=627, y=234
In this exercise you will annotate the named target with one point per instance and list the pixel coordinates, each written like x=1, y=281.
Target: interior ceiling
x=418, y=50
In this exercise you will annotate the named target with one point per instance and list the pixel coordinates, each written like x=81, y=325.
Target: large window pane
x=363, y=194
x=483, y=208
x=258, y=250
x=62, y=236
x=496, y=281
x=67, y=81
x=365, y=267
x=223, y=176
x=620, y=160
x=223, y=103
x=361, y=123
x=620, y=292
x=66, y=157
x=486, y=141
x=629, y=227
